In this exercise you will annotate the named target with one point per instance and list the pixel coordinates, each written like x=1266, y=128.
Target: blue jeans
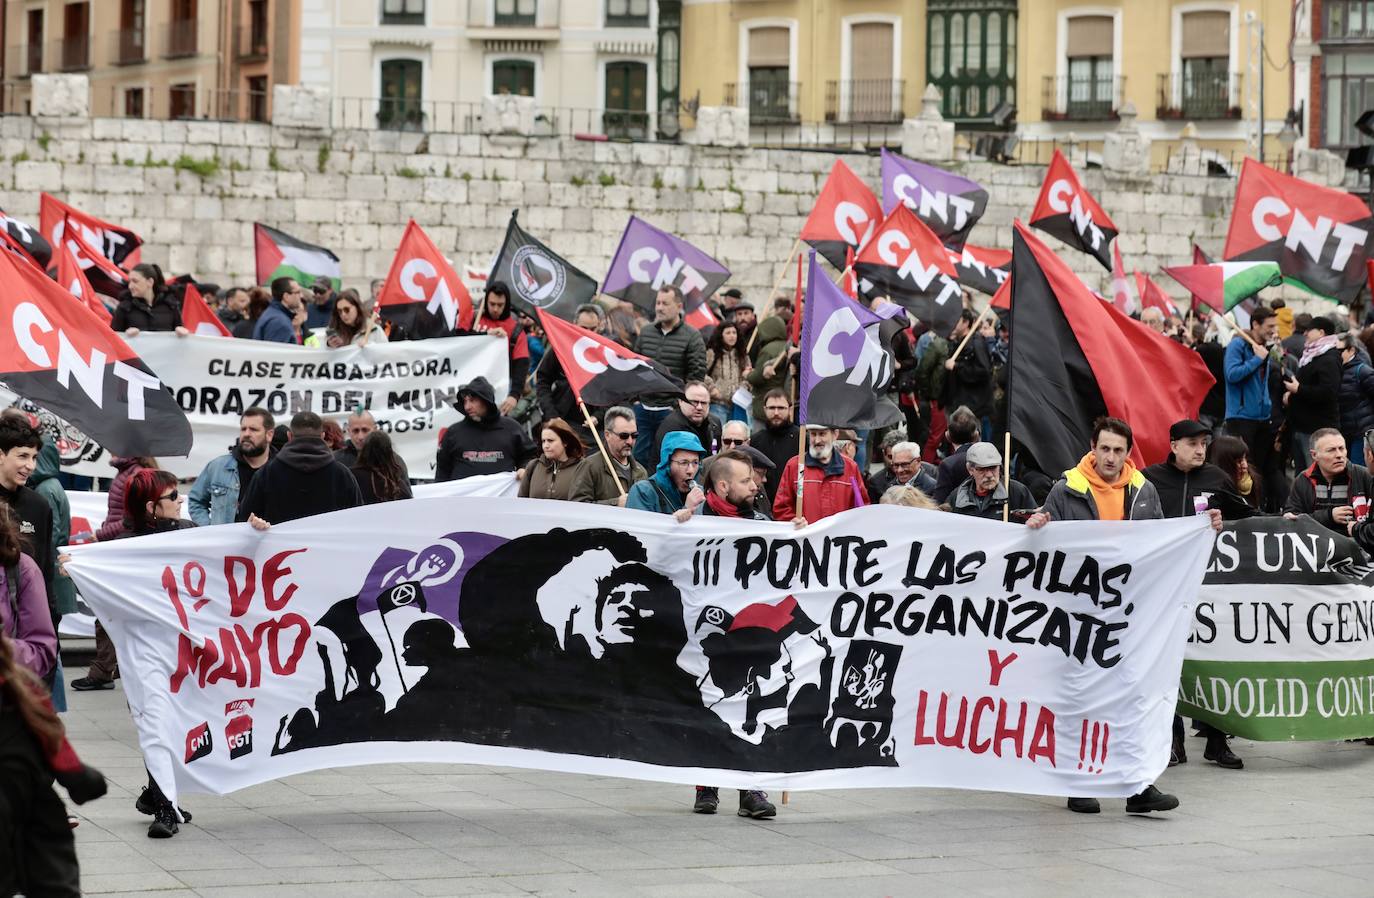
x=647, y=420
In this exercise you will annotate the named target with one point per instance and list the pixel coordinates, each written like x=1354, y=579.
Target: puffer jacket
x=1247, y=382
x=1071, y=499
x=680, y=350
x=127, y=466
x=1356, y=399
x=830, y=488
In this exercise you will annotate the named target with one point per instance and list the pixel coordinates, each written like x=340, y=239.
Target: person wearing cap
x=1187, y=483
x=672, y=488
x=763, y=466
x=1329, y=487
x=744, y=318
x=729, y=299
x=833, y=483
x=1312, y=397
x=1105, y=486
x=485, y=441
x=983, y=495
x=320, y=307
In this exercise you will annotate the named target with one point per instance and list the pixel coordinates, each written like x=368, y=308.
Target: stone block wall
x=194, y=189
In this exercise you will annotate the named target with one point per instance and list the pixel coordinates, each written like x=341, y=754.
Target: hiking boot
x=708, y=799
x=91, y=684
x=1219, y=752
x=164, y=824
x=148, y=807
x=753, y=803
x=1085, y=806
x=1151, y=799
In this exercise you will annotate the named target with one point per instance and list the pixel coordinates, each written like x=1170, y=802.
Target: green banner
x=1277, y=700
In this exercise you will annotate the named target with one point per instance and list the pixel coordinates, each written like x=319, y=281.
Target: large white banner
x=411, y=388
x=962, y=653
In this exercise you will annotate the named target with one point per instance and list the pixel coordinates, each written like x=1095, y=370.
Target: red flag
x=105, y=276
x=1121, y=288
x=73, y=280
x=196, y=316
x=599, y=370
x=422, y=285
x=1087, y=359
x=1200, y=258
x=702, y=318
x=798, y=297
x=1151, y=296
x=1002, y=298
x=908, y=262
x=845, y=215
x=117, y=245
x=1067, y=211
x=851, y=280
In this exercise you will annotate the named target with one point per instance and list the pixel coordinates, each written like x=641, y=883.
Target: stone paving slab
x=1295, y=822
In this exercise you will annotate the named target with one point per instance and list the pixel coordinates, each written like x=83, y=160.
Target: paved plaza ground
x=1296, y=821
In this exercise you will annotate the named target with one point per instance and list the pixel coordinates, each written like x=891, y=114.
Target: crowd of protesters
x=1284, y=431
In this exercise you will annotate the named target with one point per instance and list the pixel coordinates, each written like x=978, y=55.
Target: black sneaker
x=753, y=803
x=90, y=684
x=1085, y=806
x=164, y=824
x=146, y=806
x=1219, y=752
x=708, y=799
x=1151, y=799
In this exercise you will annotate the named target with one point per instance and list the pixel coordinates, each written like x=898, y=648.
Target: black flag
x=538, y=277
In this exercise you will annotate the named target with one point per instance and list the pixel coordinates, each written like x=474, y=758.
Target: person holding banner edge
x=1105, y=486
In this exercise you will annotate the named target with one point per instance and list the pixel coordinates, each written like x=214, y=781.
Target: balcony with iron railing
x=1211, y=95
x=863, y=101
x=73, y=53
x=128, y=47
x=770, y=102
x=1071, y=99
x=179, y=39
x=250, y=43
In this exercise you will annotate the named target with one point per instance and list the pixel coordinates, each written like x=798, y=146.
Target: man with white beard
x=832, y=483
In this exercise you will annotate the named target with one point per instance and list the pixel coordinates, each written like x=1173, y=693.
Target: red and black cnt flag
x=600, y=371
x=1075, y=358
x=845, y=214
x=58, y=354
x=1067, y=211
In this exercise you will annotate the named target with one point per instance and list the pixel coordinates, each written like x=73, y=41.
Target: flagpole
x=596, y=435
x=973, y=329
x=1006, y=476
x=768, y=310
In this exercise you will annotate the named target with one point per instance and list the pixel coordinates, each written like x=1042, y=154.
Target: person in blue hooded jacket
x=673, y=488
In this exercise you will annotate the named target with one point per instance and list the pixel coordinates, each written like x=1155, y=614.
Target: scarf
x=1316, y=348
x=722, y=507
x=1245, y=484
x=1110, y=497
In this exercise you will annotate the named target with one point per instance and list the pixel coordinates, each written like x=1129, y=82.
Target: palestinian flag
x=601, y=371
x=422, y=292
x=1075, y=358
x=1152, y=297
x=539, y=278
x=279, y=255
x=112, y=242
x=59, y=355
x=908, y=263
x=197, y=317
x=1067, y=211
x=949, y=204
x=1319, y=237
x=981, y=269
x=1225, y=285
x=844, y=216
x=72, y=279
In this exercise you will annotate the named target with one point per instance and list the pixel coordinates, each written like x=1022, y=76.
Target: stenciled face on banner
x=73, y=446
x=536, y=278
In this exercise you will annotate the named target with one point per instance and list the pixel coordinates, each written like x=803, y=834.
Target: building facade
x=589, y=65
x=174, y=59
x=1333, y=51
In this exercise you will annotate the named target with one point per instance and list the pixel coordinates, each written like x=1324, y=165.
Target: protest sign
x=963, y=653
x=1282, y=641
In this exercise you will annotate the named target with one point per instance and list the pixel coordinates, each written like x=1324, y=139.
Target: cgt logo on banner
x=1282, y=642
x=627, y=644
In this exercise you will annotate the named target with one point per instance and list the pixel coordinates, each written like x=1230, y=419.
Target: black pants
x=37, y=848
x=1265, y=465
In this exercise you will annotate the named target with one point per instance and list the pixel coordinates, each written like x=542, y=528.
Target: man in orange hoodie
x=1105, y=486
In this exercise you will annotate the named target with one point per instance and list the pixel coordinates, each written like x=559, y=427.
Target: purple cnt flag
x=949, y=204
x=844, y=368
x=648, y=258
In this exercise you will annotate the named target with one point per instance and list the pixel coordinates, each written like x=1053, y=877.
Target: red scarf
x=721, y=506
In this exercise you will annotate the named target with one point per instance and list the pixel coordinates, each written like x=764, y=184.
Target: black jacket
x=965, y=500
x=707, y=431
x=1356, y=399
x=492, y=444
x=953, y=472
x=1213, y=355
x=1316, y=404
x=680, y=350
x=1177, y=489
x=165, y=315
x=34, y=516
x=970, y=383
x=1313, y=494
x=301, y=480
x=780, y=446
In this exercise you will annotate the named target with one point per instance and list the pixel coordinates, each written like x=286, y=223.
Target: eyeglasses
x=697, y=403
x=627, y=437
x=685, y=462
x=725, y=441
x=170, y=497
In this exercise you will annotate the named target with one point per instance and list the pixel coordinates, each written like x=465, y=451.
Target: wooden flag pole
x=972, y=329
x=768, y=310
x=1006, y=476
x=600, y=444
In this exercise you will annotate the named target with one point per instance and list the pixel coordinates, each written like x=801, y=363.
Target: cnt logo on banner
x=627, y=644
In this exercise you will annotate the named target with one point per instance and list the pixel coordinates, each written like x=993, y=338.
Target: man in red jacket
x=833, y=482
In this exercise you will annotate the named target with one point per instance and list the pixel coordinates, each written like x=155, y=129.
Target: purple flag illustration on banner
x=649, y=258
x=844, y=370
x=949, y=204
